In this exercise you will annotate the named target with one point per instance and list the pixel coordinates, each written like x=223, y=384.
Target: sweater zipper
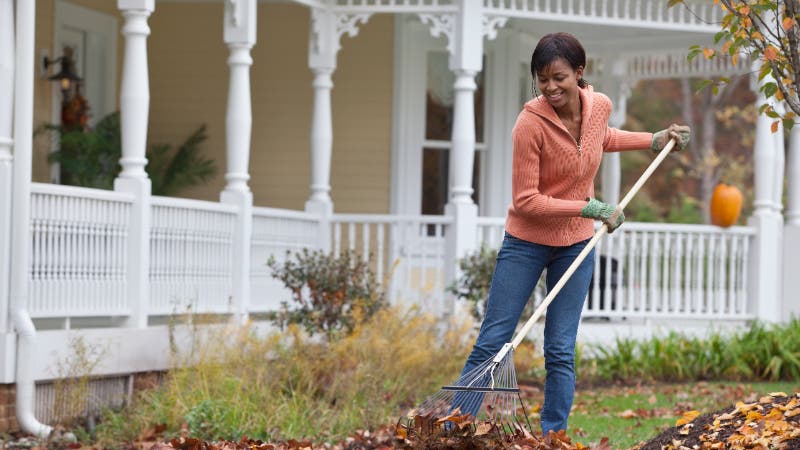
x=577, y=142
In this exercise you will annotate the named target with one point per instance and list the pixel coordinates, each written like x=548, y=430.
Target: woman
x=559, y=139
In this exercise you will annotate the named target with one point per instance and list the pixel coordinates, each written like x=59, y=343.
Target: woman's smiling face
x=558, y=82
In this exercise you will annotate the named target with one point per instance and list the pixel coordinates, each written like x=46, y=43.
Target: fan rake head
x=485, y=399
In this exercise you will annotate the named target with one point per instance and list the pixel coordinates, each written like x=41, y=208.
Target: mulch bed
x=772, y=422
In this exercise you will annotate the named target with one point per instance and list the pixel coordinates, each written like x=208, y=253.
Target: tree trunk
x=709, y=174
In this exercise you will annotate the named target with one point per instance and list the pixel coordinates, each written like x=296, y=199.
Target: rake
x=488, y=395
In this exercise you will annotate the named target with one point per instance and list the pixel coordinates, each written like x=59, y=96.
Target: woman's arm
x=617, y=140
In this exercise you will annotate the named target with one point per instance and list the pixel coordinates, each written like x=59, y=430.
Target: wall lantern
x=67, y=76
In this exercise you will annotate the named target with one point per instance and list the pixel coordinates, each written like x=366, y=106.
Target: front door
x=92, y=38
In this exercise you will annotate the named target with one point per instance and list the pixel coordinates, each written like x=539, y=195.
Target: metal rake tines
x=487, y=394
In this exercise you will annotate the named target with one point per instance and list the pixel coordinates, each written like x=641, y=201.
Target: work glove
x=681, y=134
x=609, y=214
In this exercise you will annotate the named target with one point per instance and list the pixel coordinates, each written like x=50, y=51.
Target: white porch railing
x=78, y=262
x=78, y=252
x=406, y=252
x=664, y=271
x=646, y=273
x=275, y=232
x=190, y=256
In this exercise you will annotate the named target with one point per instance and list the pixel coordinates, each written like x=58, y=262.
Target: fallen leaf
x=687, y=417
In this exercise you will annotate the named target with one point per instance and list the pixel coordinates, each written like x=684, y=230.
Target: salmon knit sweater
x=552, y=176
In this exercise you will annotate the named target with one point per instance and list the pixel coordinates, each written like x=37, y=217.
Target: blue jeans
x=519, y=265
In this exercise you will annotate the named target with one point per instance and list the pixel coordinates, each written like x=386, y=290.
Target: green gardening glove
x=609, y=214
x=681, y=134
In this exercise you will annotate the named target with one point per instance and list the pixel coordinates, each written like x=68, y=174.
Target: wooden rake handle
x=582, y=255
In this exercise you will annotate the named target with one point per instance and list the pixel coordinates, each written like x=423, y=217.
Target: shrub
x=287, y=385
x=331, y=293
x=90, y=158
x=760, y=353
x=473, y=285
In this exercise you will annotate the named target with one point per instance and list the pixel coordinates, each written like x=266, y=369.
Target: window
x=439, y=102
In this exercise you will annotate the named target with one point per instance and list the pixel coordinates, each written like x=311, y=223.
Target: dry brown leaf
x=627, y=414
x=687, y=417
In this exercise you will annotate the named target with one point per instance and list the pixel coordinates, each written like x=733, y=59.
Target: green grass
x=630, y=415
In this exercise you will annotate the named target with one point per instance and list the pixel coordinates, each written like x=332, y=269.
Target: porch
x=114, y=266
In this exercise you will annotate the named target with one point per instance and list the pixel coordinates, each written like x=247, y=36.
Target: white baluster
x=689, y=279
x=711, y=275
x=351, y=236
x=733, y=276
x=365, y=239
x=381, y=257
x=664, y=260
x=337, y=237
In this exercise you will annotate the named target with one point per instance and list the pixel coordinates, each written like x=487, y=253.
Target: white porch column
x=240, y=36
x=617, y=87
x=793, y=178
x=134, y=109
x=6, y=123
x=327, y=28
x=466, y=60
x=766, y=274
x=791, y=231
x=24, y=64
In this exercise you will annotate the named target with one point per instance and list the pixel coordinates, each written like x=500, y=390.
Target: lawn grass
x=630, y=415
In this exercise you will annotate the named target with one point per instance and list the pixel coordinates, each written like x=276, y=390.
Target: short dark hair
x=558, y=45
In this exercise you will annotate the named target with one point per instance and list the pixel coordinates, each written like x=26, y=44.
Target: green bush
x=331, y=293
x=760, y=353
x=473, y=285
x=90, y=158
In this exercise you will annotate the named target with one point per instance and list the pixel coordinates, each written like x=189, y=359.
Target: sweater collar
x=538, y=105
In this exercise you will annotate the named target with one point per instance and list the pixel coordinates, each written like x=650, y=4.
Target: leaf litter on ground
x=754, y=421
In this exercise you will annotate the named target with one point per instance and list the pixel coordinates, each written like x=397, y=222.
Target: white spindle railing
x=79, y=237
x=78, y=261
x=704, y=14
x=406, y=252
x=190, y=256
x=491, y=231
x=675, y=65
x=663, y=270
x=277, y=233
x=677, y=271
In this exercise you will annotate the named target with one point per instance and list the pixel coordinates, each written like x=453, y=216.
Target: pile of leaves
x=771, y=422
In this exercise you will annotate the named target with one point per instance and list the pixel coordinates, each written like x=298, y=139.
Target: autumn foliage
x=330, y=293
x=768, y=31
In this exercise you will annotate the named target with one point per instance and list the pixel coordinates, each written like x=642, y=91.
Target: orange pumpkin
x=726, y=205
